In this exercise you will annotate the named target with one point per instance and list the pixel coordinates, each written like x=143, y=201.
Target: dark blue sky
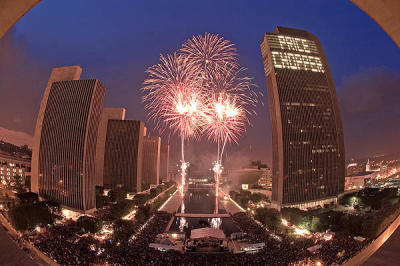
x=115, y=41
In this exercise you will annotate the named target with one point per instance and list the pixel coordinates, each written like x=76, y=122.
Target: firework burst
x=174, y=100
x=200, y=91
x=173, y=97
x=210, y=52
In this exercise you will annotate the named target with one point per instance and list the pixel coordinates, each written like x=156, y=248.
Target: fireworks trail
x=231, y=100
x=174, y=100
x=200, y=91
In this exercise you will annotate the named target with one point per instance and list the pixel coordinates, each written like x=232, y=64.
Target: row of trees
x=243, y=197
x=321, y=220
x=123, y=229
x=373, y=197
x=32, y=213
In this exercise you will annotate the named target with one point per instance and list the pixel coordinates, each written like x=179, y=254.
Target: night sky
x=116, y=42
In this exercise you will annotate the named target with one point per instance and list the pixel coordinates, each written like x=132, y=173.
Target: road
x=10, y=253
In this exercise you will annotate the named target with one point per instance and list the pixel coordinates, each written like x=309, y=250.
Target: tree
x=117, y=194
x=257, y=197
x=143, y=213
x=141, y=198
x=123, y=230
x=153, y=192
x=28, y=197
x=90, y=224
x=28, y=216
x=122, y=208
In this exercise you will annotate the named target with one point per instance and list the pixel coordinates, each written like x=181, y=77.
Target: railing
x=371, y=248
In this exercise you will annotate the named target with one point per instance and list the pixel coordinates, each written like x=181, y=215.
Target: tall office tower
x=106, y=115
x=123, y=155
x=151, y=161
x=307, y=134
x=57, y=74
x=164, y=162
x=69, y=118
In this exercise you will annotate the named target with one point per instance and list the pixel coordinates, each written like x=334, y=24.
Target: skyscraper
x=164, y=162
x=151, y=160
x=106, y=115
x=63, y=166
x=123, y=155
x=307, y=134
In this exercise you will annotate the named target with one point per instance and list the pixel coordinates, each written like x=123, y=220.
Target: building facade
x=57, y=74
x=65, y=154
x=11, y=166
x=106, y=115
x=151, y=161
x=123, y=155
x=307, y=135
x=164, y=162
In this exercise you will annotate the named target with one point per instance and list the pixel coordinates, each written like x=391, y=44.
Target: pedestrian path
x=172, y=204
x=10, y=253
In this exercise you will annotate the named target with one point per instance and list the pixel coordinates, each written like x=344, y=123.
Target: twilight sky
x=116, y=42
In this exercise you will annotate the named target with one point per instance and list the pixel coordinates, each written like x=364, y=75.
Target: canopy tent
x=207, y=233
x=164, y=247
x=314, y=248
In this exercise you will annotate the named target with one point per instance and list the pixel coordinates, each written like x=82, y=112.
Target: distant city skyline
x=131, y=43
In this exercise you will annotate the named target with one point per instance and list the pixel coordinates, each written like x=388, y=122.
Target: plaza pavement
x=10, y=253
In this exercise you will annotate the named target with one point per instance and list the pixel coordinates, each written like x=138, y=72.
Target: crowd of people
x=66, y=245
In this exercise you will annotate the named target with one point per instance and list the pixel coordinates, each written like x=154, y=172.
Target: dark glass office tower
x=66, y=154
x=151, y=161
x=123, y=155
x=307, y=134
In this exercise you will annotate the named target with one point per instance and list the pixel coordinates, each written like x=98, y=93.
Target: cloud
x=370, y=109
x=370, y=90
x=22, y=81
x=16, y=137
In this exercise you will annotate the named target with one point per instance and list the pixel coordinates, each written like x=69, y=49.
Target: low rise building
x=357, y=181
x=11, y=166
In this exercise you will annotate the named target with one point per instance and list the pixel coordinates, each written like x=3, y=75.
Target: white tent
x=164, y=247
x=207, y=233
x=313, y=249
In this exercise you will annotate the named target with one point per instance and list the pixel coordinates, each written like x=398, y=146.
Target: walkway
x=172, y=204
x=203, y=215
x=388, y=253
x=229, y=205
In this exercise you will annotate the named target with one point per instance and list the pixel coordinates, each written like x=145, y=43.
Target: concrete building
x=164, y=162
x=151, y=161
x=307, y=135
x=63, y=156
x=265, y=180
x=124, y=154
x=357, y=181
x=11, y=166
x=106, y=115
